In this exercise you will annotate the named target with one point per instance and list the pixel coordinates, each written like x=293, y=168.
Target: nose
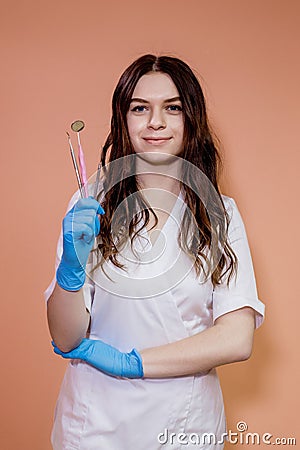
x=156, y=119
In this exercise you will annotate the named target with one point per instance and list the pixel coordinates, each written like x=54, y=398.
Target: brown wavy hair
x=199, y=149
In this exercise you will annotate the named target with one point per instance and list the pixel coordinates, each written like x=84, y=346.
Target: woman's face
x=155, y=118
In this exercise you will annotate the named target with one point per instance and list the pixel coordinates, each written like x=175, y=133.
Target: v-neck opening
x=146, y=232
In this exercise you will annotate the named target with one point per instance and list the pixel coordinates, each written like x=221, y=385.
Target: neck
x=159, y=171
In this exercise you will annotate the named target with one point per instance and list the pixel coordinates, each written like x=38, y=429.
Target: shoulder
x=236, y=223
x=234, y=215
x=229, y=204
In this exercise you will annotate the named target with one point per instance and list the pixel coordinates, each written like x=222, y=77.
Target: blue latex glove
x=106, y=358
x=80, y=226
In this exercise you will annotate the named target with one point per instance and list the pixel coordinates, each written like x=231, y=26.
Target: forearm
x=68, y=318
x=226, y=342
x=229, y=340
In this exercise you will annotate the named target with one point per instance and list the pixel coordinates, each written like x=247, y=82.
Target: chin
x=156, y=157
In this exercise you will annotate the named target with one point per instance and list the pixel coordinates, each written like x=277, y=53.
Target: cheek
x=133, y=128
x=178, y=127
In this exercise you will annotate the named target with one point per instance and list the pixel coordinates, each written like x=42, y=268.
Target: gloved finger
x=97, y=226
x=85, y=230
x=56, y=349
x=66, y=355
x=77, y=233
x=97, y=220
x=87, y=203
x=100, y=210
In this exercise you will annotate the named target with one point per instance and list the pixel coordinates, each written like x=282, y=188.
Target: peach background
x=60, y=62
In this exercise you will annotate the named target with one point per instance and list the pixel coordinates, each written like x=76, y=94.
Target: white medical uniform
x=96, y=411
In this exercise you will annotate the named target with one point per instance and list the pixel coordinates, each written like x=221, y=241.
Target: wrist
x=70, y=279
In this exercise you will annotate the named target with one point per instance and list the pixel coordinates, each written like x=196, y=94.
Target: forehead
x=155, y=85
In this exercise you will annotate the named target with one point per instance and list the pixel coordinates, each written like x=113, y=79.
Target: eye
x=174, y=108
x=138, y=108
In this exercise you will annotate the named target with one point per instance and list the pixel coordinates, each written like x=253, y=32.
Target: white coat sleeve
x=242, y=289
x=88, y=287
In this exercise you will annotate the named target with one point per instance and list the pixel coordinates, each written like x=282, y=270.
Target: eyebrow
x=142, y=100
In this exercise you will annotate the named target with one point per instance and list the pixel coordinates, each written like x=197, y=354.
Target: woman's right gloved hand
x=80, y=226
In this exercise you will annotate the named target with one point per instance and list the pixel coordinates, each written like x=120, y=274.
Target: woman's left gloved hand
x=106, y=358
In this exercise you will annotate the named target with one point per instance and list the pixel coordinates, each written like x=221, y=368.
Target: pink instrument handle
x=82, y=166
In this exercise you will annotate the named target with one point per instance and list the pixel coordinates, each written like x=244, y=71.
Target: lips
x=157, y=140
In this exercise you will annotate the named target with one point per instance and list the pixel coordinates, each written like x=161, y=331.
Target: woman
x=166, y=292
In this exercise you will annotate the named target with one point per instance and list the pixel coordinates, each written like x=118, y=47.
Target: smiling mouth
x=157, y=141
